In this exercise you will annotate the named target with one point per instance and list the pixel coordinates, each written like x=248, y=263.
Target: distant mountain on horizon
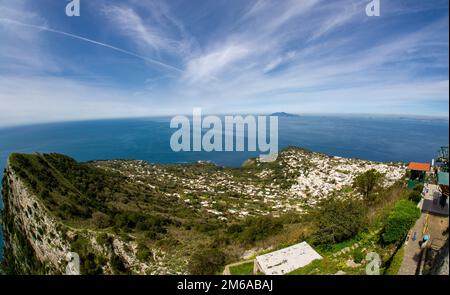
x=284, y=114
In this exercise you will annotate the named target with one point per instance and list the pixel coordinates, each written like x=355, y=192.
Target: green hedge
x=400, y=220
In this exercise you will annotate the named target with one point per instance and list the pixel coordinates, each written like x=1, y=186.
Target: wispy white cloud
x=271, y=15
x=339, y=16
x=205, y=67
x=279, y=60
x=298, y=56
x=157, y=33
x=48, y=29
x=131, y=24
x=22, y=49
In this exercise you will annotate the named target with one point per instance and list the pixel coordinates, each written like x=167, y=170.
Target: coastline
x=147, y=139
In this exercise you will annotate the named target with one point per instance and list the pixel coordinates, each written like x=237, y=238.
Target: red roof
x=419, y=166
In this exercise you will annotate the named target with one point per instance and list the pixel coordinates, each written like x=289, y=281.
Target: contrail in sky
x=44, y=28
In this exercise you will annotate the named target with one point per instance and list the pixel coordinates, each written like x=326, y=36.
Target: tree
x=367, y=183
x=206, y=262
x=255, y=228
x=336, y=220
x=258, y=228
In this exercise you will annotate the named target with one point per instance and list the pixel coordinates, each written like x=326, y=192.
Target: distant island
x=283, y=114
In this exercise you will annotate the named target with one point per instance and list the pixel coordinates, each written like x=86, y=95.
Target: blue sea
x=366, y=137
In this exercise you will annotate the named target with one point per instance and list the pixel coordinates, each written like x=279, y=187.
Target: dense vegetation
x=400, y=220
x=255, y=228
x=337, y=220
x=86, y=197
x=206, y=261
x=416, y=194
x=80, y=193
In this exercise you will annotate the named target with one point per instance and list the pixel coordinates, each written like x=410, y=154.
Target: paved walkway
x=412, y=252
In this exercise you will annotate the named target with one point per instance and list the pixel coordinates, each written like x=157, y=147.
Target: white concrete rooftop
x=288, y=259
x=431, y=198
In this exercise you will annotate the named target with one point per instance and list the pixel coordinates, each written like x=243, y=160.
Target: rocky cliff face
x=33, y=239
x=36, y=242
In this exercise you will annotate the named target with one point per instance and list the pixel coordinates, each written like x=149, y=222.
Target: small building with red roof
x=418, y=173
x=414, y=166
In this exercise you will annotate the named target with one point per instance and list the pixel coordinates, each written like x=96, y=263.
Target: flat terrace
x=286, y=260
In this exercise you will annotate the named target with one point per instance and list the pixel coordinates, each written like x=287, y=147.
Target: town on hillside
x=424, y=250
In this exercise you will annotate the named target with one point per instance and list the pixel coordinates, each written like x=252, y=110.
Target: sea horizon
x=156, y=117
x=383, y=139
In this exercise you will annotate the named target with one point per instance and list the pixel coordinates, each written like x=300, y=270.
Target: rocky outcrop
x=37, y=242
x=33, y=238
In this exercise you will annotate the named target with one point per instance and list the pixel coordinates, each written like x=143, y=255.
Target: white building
x=286, y=260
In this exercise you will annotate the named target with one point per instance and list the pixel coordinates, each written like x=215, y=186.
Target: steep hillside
x=136, y=217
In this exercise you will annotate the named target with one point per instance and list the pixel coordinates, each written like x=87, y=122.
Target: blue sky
x=149, y=58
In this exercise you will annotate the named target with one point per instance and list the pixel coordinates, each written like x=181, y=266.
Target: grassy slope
x=242, y=269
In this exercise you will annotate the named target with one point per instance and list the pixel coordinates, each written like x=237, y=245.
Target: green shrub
x=143, y=253
x=100, y=220
x=400, y=220
x=255, y=228
x=336, y=220
x=90, y=263
x=415, y=196
x=358, y=256
x=103, y=239
x=206, y=262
